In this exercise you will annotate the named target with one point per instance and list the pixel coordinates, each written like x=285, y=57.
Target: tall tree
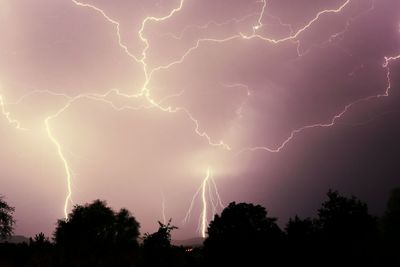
x=6, y=219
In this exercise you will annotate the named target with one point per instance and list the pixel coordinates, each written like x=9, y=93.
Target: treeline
x=343, y=233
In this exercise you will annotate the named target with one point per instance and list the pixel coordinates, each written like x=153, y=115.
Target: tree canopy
x=242, y=232
x=345, y=218
x=6, y=219
x=96, y=224
x=391, y=218
x=160, y=239
x=391, y=227
x=157, y=248
x=347, y=231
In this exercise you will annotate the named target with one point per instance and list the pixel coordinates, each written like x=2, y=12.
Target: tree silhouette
x=347, y=230
x=95, y=235
x=96, y=224
x=302, y=242
x=41, y=251
x=6, y=219
x=391, y=218
x=391, y=227
x=243, y=234
x=126, y=228
x=157, y=249
x=39, y=240
x=298, y=229
x=160, y=239
x=341, y=217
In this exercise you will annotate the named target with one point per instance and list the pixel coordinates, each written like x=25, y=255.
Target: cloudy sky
x=171, y=108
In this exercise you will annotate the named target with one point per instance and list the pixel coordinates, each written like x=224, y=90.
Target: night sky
x=171, y=108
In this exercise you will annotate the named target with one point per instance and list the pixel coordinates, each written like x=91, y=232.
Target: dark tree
x=39, y=240
x=341, y=217
x=6, y=219
x=391, y=218
x=298, y=229
x=41, y=251
x=126, y=228
x=391, y=228
x=95, y=235
x=243, y=234
x=157, y=248
x=160, y=239
x=97, y=224
x=347, y=230
x=302, y=242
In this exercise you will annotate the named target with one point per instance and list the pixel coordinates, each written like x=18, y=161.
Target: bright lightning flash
x=204, y=199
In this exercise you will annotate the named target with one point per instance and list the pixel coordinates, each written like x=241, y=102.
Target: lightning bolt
x=207, y=187
x=301, y=30
x=114, y=22
x=204, y=200
x=335, y=118
x=7, y=116
x=145, y=92
x=293, y=37
x=337, y=34
x=64, y=161
x=259, y=21
x=180, y=35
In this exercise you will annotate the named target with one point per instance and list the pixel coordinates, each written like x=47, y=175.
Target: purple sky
x=146, y=103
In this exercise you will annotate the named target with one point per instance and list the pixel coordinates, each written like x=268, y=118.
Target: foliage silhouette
x=242, y=235
x=347, y=232
x=96, y=224
x=302, y=240
x=95, y=235
x=344, y=233
x=341, y=217
x=160, y=239
x=391, y=218
x=6, y=219
x=298, y=229
x=157, y=248
x=391, y=227
x=39, y=240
